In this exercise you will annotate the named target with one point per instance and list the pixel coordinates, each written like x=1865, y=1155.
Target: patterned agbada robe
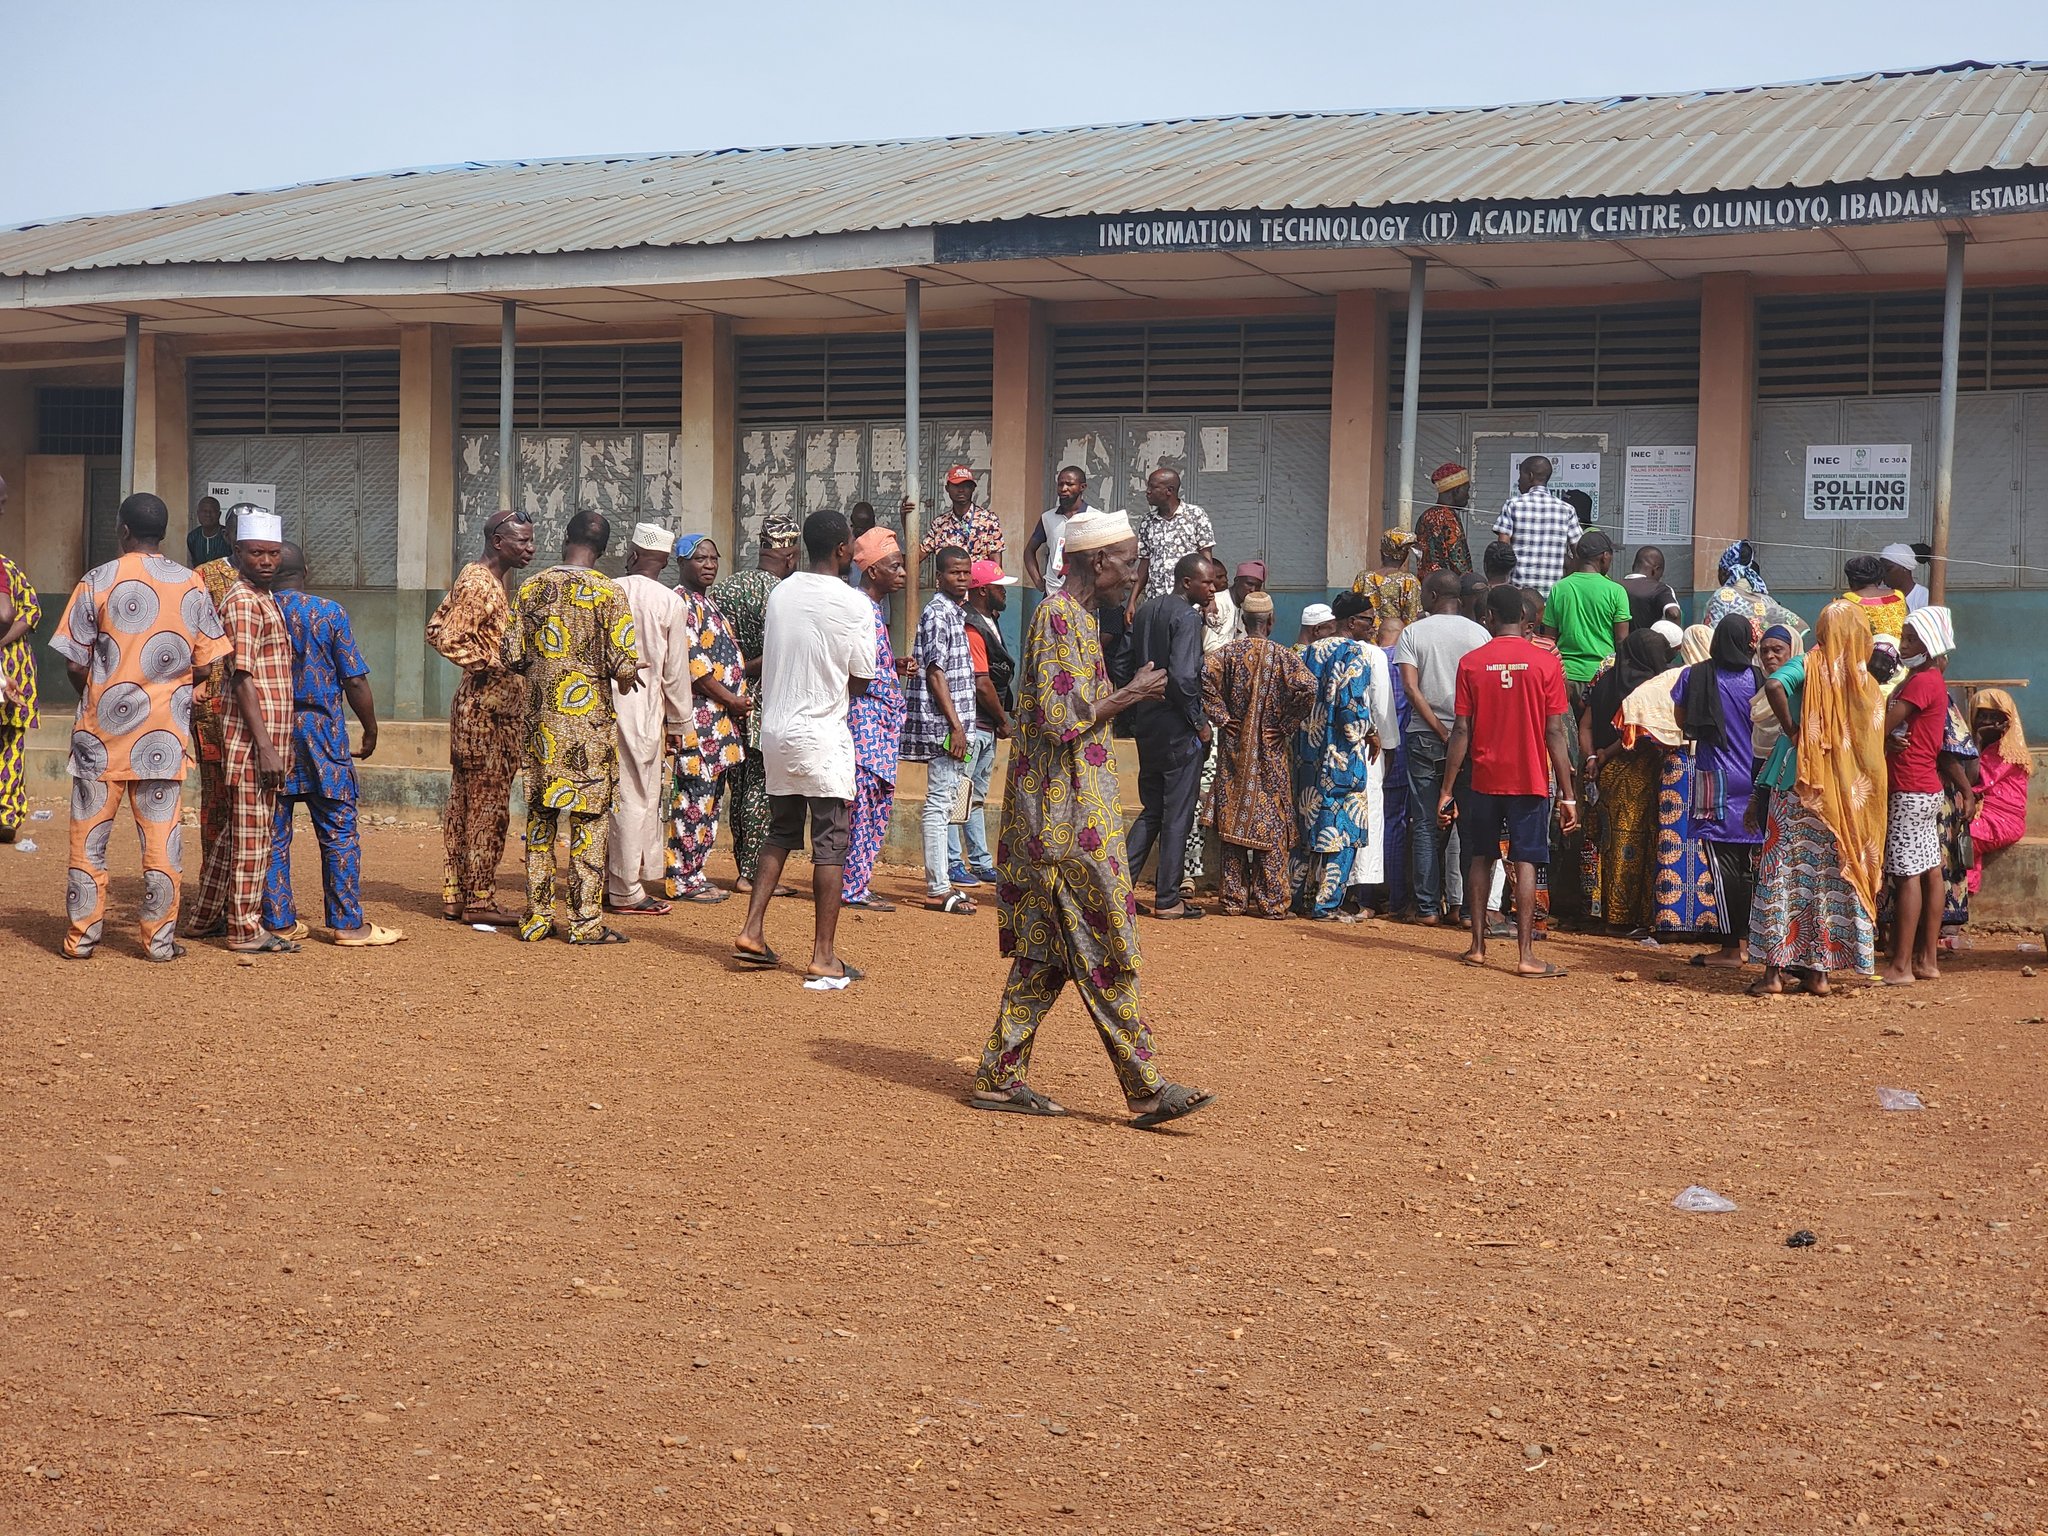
x=571, y=637
x=1440, y=542
x=1265, y=692
x=714, y=749
x=743, y=598
x=483, y=733
x=17, y=713
x=1338, y=774
x=1064, y=906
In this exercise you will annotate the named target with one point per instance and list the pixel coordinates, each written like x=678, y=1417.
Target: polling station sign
x=1858, y=480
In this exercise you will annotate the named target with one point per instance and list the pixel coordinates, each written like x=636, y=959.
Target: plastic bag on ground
x=1898, y=1098
x=1697, y=1197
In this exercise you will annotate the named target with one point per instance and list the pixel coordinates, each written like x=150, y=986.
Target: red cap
x=959, y=474
x=986, y=573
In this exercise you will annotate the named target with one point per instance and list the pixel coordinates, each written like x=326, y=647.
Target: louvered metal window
x=1474, y=361
x=86, y=421
x=1890, y=344
x=1250, y=365
x=291, y=394
x=860, y=377
x=562, y=387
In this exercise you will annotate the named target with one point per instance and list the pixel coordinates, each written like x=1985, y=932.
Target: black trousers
x=1735, y=870
x=1169, y=786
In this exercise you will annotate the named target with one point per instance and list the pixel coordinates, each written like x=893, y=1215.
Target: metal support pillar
x=1945, y=427
x=913, y=457
x=1411, y=388
x=131, y=370
x=508, y=349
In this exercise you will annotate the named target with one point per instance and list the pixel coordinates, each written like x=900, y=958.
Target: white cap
x=1673, y=635
x=1901, y=555
x=259, y=527
x=1095, y=529
x=652, y=536
x=1318, y=613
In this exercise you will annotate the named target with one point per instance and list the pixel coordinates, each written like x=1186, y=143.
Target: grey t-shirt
x=1433, y=646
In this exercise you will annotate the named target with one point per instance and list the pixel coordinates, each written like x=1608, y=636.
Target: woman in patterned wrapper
x=1065, y=911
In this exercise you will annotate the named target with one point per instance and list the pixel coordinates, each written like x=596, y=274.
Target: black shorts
x=831, y=826
x=1524, y=820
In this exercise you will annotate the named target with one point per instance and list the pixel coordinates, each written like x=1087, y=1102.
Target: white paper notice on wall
x=1657, y=491
x=1873, y=480
x=1215, y=450
x=1568, y=472
x=233, y=493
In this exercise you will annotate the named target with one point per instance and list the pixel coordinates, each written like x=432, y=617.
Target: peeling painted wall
x=802, y=467
x=628, y=476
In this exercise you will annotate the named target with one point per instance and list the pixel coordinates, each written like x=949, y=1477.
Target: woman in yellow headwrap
x=1393, y=589
x=1823, y=858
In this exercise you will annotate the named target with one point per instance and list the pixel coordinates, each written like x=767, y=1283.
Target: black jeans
x=1169, y=785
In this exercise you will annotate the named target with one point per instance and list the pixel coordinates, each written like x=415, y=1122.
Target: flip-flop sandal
x=177, y=952
x=1020, y=1100
x=604, y=936
x=709, y=896
x=1179, y=912
x=273, y=944
x=848, y=975
x=649, y=908
x=1174, y=1102
x=870, y=904
x=760, y=959
x=1500, y=930
x=375, y=937
x=294, y=934
x=1548, y=973
x=1472, y=960
x=958, y=903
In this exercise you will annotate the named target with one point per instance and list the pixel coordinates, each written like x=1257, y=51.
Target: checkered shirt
x=941, y=643
x=263, y=649
x=1544, y=527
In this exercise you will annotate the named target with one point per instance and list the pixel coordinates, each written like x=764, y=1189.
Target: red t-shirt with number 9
x=1508, y=689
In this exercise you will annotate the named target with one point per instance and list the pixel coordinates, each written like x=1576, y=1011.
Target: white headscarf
x=1936, y=628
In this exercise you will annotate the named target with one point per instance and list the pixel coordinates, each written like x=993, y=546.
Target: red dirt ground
x=467, y=1236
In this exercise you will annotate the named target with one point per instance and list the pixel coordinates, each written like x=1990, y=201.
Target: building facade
x=1724, y=314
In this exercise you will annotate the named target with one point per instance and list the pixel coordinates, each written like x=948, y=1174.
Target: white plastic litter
x=1697, y=1197
x=40, y=815
x=2029, y=949
x=483, y=927
x=1898, y=1098
x=26, y=845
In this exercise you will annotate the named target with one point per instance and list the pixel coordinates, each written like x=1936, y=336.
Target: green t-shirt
x=1583, y=610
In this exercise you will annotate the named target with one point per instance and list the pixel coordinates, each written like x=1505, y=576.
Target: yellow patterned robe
x=571, y=636
x=1063, y=886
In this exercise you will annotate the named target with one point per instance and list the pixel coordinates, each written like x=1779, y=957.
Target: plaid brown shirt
x=263, y=650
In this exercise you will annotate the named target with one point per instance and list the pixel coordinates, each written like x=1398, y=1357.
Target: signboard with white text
x=1858, y=480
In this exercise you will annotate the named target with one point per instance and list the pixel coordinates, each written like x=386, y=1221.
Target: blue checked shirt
x=323, y=655
x=942, y=643
x=1544, y=527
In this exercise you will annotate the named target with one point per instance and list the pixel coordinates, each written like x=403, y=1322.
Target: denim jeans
x=973, y=836
x=1439, y=879
x=942, y=782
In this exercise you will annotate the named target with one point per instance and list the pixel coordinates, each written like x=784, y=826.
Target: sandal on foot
x=648, y=908
x=271, y=944
x=815, y=981
x=1174, y=1102
x=372, y=937
x=959, y=903
x=602, y=936
x=760, y=959
x=1181, y=911
x=1021, y=1099
x=870, y=904
x=1548, y=973
x=708, y=896
x=175, y=952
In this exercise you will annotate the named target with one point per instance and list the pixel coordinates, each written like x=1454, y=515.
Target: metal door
x=337, y=493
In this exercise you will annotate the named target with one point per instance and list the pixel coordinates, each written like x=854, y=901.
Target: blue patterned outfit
x=322, y=773
x=876, y=720
x=1337, y=779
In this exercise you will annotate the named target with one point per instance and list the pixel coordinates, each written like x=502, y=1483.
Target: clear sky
x=126, y=103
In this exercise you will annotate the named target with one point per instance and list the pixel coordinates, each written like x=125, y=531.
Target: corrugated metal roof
x=1958, y=118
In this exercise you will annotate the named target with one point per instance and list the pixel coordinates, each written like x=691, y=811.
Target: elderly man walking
x=1065, y=912
x=483, y=721
x=653, y=721
x=1258, y=694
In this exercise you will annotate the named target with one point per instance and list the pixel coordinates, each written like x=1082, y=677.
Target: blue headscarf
x=686, y=544
x=1738, y=564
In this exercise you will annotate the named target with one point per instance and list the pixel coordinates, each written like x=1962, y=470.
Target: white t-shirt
x=820, y=633
x=1225, y=627
x=1053, y=523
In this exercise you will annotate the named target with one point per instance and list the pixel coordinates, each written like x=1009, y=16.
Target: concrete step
x=2015, y=890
